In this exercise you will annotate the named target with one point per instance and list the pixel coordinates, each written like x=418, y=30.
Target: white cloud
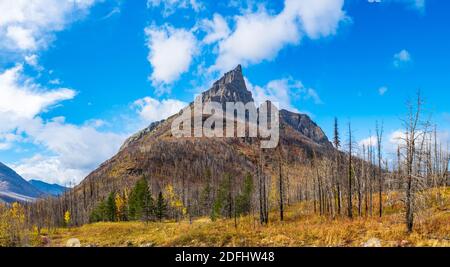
x=390, y=143
x=370, y=141
x=22, y=98
x=69, y=152
x=75, y=149
x=48, y=169
x=55, y=82
x=402, y=58
x=444, y=138
x=260, y=35
x=28, y=25
x=397, y=138
x=416, y=4
x=257, y=37
x=115, y=11
x=171, y=53
x=5, y=146
x=382, y=90
x=319, y=17
x=170, y=6
x=312, y=94
x=150, y=109
x=282, y=93
x=7, y=140
x=32, y=60
x=21, y=37
x=217, y=29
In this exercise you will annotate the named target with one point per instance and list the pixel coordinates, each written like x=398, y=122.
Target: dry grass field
x=300, y=228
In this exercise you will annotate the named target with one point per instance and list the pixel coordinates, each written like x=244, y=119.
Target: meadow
x=300, y=228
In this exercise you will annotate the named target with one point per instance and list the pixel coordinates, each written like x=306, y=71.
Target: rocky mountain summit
x=230, y=88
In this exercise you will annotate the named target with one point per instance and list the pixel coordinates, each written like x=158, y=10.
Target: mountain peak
x=14, y=188
x=234, y=75
x=230, y=88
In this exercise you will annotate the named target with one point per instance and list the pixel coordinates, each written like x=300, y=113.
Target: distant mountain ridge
x=14, y=188
x=49, y=189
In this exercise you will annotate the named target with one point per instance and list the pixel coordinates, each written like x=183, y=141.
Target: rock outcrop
x=230, y=88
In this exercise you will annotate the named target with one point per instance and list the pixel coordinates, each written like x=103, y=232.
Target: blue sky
x=78, y=77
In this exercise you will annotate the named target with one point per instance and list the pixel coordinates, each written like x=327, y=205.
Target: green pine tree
x=161, y=207
x=223, y=202
x=110, y=208
x=140, y=204
x=98, y=214
x=244, y=200
x=148, y=207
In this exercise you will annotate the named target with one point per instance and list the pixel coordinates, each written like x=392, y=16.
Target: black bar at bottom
x=220, y=256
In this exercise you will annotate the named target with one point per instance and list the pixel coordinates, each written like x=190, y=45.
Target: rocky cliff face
x=305, y=126
x=230, y=88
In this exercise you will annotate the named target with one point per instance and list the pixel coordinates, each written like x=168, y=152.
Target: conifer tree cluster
x=230, y=203
x=139, y=205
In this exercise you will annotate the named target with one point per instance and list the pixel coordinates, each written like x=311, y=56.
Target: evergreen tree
x=98, y=214
x=110, y=208
x=161, y=207
x=336, y=139
x=223, y=202
x=105, y=210
x=148, y=206
x=244, y=200
x=140, y=205
x=133, y=207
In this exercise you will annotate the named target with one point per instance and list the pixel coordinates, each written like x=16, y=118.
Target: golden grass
x=300, y=228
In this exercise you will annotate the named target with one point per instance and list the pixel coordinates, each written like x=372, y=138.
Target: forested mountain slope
x=195, y=167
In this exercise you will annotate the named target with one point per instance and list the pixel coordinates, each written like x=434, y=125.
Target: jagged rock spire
x=232, y=76
x=230, y=88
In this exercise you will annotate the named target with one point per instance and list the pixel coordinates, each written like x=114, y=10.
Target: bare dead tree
x=337, y=145
x=350, y=172
x=281, y=191
x=412, y=135
x=379, y=131
x=263, y=209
